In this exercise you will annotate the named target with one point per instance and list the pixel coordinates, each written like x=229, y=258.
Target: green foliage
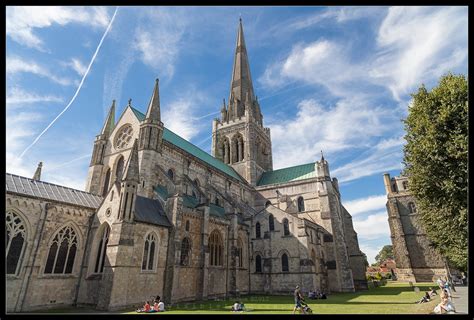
x=385, y=253
x=435, y=158
x=369, y=277
x=378, y=276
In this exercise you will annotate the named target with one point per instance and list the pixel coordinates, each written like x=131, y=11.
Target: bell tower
x=239, y=137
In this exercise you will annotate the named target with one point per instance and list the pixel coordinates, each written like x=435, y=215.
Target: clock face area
x=123, y=138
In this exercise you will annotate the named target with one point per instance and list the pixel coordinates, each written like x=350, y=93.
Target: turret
x=322, y=168
x=223, y=112
x=387, y=183
x=151, y=129
x=129, y=185
x=37, y=175
x=98, y=152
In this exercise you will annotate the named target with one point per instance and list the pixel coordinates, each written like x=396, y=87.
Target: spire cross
x=130, y=101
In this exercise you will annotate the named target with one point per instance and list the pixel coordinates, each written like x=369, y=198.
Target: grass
x=393, y=298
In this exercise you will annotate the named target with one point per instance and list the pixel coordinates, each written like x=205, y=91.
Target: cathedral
x=160, y=216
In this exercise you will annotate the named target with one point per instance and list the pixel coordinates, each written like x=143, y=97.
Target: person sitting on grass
x=425, y=298
x=238, y=307
x=161, y=306
x=445, y=306
x=312, y=294
x=433, y=292
x=146, y=307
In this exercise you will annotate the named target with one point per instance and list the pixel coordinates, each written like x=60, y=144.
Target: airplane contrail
x=78, y=88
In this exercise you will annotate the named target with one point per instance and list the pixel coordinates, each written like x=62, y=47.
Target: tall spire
x=241, y=83
x=153, y=111
x=37, y=175
x=110, y=121
x=131, y=169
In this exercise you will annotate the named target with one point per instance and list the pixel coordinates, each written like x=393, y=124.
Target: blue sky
x=336, y=79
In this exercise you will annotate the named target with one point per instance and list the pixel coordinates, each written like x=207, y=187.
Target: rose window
x=123, y=137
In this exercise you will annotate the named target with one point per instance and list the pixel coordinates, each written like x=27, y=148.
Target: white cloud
x=76, y=65
x=348, y=125
x=15, y=65
x=180, y=115
x=372, y=249
x=323, y=62
x=372, y=227
x=17, y=95
x=21, y=22
x=418, y=44
x=365, y=205
x=158, y=39
x=383, y=157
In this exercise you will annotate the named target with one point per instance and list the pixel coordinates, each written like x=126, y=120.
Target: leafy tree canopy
x=435, y=158
x=385, y=253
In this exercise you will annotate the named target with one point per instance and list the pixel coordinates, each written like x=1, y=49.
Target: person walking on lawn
x=298, y=298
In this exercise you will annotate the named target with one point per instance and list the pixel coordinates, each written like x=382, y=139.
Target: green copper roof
x=187, y=146
x=189, y=201
x=161, y=191
x=304, y=171
x=216, y=210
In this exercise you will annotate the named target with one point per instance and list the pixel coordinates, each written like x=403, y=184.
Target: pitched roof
x=45, y=190
x=190, y=148
x=303, y=171
x=150, y=211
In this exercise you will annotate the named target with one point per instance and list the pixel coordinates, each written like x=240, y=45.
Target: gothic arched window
x=216, y=249
x=16, y=241
x=271, y=223
x=284, y=263
x=171, y=174
x=185, y=248
x=286, y=227
x=412, y=207
x=313, y=258
x=119, y=169
x=405, y=185
x=62, y=251
x=257, y=230
x=240, y=255
x=149, y=252
x=187, y=225
x=102, y=249
x=300, y=204
x=106, y=183
x=258, y=264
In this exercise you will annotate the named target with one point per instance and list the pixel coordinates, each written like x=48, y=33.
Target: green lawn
x=393, y=298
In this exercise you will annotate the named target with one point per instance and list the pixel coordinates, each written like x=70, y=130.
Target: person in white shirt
x=161, y=306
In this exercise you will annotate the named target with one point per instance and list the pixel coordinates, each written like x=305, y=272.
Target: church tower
x=98, y=153
x=239, y=137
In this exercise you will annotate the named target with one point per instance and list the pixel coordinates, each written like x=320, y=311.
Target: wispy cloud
x=15, y=65
x=418, y=44
x=364, y=205
x=158, y=39
x=350, y=124
x=180, y=115
x=17, y=95
x=21, y=22
x=76, y=65
x=372, y=227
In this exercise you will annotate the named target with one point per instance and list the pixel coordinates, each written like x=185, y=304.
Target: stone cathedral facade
x=160, y=216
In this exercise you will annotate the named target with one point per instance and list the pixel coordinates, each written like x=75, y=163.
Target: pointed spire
x=131, y=169
x=322, y=156
x=110, y=121
x=241, y=83
x=153, y=111
x=37, y=175
x=130, y=102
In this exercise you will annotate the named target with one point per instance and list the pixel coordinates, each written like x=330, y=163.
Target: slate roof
x=303, y=171
x=189, y=201
x=188, y=147
x=215, y=210
x=150, y=211
x=161, y=191
x=45, y=190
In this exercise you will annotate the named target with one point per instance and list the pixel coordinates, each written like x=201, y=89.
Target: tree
x=435, y=158
x=385, y=253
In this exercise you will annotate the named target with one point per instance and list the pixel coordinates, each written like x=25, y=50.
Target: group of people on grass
x=158, y=306
x=317, y=294
x=446, y=305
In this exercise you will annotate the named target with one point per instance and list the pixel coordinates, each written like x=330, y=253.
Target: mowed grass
x=393, y=298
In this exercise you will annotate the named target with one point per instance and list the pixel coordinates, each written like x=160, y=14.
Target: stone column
x=226, y=152
x=204, y=257
x=240, y=157
x=232, y=254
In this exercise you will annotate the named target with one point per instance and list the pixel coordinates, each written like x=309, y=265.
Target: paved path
x=460, y=299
